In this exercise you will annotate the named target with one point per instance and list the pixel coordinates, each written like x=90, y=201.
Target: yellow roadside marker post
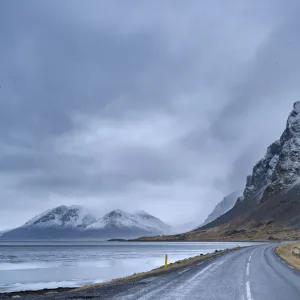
x=166, y=261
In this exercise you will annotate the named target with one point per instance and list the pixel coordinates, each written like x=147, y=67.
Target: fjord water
x=38, y=265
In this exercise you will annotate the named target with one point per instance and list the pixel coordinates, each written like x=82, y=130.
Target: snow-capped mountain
x=225, y=205
x=139, y=220
x=63, y=217
x=2, y=232
x=78, y=222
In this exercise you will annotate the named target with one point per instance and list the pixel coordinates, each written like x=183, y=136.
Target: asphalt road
x=253, y=273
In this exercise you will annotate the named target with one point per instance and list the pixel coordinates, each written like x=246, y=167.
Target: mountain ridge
x=275, y=174
x=270, y=205
x=80, y=222
x=221, y=208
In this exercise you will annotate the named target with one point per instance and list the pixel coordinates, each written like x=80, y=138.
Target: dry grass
x=247, y=232
x=158, y=271
x=285, y=252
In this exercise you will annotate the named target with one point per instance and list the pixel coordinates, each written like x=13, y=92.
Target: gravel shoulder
x=285, y=252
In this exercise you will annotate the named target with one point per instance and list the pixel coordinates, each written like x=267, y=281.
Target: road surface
x=253, y=273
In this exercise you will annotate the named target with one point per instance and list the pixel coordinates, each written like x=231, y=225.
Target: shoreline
x=211, y=241
x=149, y=239
x=155, y=272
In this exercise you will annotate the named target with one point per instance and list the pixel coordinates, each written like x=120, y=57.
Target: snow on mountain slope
x=150, y=221
x=78, y=222
x=2, y=232
x=63, y=216
x=122, y=219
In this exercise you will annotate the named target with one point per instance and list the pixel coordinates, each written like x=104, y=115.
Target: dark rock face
x=287, y=170
x=274, y=184
x=280, y=168
x=262, y=175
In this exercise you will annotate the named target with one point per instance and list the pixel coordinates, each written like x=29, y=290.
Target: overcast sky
x=163, y=106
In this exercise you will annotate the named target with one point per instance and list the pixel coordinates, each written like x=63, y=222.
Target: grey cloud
x=83, y=175
x=41, y=161
x=243, y=164
x=272, y=74
x=220, y=72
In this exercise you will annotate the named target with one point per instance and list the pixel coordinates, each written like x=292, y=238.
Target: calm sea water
x=37, y=265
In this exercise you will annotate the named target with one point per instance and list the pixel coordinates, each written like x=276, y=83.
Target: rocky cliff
x=275, y=179
x=280, y=168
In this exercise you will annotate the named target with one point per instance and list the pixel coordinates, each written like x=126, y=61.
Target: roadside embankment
x=290, y=253
x=132, y=279
x=172, y=266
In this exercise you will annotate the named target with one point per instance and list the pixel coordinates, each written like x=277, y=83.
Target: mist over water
x=35, y=265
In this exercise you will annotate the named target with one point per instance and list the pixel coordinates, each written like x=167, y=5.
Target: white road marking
x=282, y=261
x=181, y=272
x=248, y=291
x=217, y=263
x=251, y=254
x=201, y=272
x=248, y=269
x=200, y=264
